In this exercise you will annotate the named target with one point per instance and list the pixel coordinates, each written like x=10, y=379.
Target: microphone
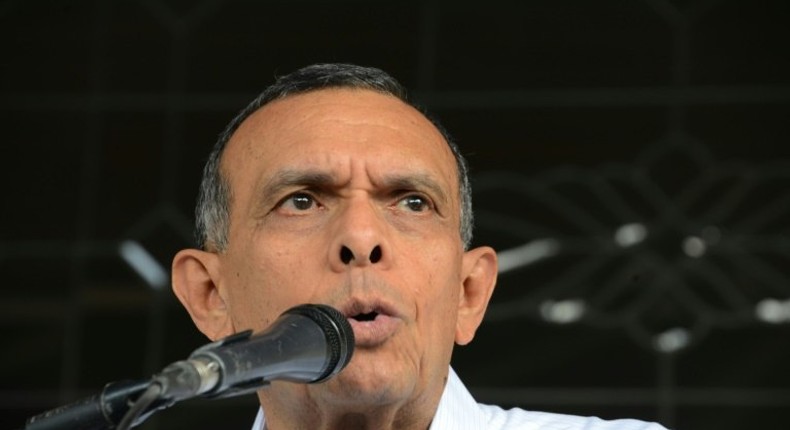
x=307, y=344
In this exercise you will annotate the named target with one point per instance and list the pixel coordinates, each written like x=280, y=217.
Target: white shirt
x=458, y=410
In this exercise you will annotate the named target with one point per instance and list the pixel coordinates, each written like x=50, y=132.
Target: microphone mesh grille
x=338, y=332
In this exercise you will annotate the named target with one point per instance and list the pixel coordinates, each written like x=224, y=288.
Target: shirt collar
x=457, y=408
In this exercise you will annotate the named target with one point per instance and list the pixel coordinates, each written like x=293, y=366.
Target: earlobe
x=196, y=284
x=480, y=273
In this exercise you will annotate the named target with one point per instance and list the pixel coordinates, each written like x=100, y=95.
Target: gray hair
x=212, y=214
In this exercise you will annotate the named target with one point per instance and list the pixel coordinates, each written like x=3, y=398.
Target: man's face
x=348, y=198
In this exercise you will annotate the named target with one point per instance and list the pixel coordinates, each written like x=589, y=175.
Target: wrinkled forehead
x=324, y=126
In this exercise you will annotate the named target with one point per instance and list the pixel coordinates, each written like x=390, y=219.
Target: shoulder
x=519, y=419
x=459, y=410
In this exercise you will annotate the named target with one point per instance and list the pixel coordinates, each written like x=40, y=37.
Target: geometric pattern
x=667, y=248
x=644, y=263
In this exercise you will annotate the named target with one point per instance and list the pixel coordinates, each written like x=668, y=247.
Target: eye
x=298, y=202
x=415, y=203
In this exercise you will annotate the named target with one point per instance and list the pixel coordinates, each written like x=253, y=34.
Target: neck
x=350, y=421
x=297, y=406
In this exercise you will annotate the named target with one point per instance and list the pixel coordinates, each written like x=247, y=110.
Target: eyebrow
x=416, y=181
x=317, y=179
x=288, y=178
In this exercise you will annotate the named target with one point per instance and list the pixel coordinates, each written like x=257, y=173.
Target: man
x=331, y=188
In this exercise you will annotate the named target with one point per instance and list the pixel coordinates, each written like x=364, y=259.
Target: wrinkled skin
x=348, y=198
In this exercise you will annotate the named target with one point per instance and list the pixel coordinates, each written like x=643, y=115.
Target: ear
x=196, y=284
x=479, y=279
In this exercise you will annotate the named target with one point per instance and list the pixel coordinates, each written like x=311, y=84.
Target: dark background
x=636, y=150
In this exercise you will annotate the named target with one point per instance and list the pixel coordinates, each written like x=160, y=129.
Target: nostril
x=346, y=255
x=375, y=255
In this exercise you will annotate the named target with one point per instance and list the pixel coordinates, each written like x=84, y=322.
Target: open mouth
x=369, y=316
x=372, y=323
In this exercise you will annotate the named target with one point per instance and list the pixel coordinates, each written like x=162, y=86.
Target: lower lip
x=373, y=333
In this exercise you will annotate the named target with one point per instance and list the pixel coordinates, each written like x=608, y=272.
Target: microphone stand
x=103, y=411
x=308, y=343
x=122, y=405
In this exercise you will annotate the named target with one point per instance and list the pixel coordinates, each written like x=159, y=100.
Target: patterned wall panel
x=630, y=162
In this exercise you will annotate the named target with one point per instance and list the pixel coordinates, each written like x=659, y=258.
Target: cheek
x=248, y=308
x=438, y=292
x=262, y=284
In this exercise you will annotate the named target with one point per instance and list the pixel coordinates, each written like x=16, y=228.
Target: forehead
x=335, y=129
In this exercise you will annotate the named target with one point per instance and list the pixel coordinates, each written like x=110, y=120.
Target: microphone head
x=338, y=332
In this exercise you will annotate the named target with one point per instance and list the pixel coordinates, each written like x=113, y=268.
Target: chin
x=378, y=384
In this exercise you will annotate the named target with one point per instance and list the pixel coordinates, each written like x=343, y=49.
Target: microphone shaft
x=98, y=412
x=294, y=349
x=306, y=344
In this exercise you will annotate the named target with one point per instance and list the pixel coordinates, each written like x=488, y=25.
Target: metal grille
x=630, y=164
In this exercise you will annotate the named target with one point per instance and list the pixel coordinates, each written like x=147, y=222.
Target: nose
x=347, y=255
x=359, y=237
